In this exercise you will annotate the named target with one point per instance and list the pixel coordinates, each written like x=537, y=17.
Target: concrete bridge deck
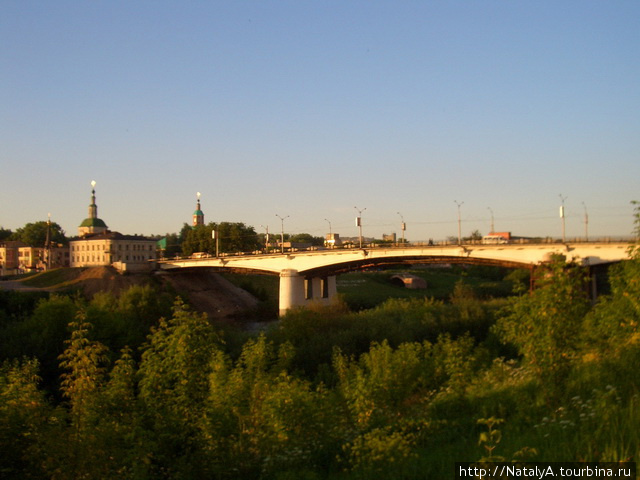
x=310, y=275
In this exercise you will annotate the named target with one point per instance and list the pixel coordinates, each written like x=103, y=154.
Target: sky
x=312, y=110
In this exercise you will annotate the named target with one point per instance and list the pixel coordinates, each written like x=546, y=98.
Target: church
x=99, y=246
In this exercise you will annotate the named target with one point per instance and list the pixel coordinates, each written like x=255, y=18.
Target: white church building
x=98, y=246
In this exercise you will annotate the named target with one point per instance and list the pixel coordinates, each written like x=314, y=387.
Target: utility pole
x=359, y=223
x=282, y=231
x=459, y=204
x=492, y=226
x=562, y=199
x=266, y=239
x=47, y=244
x=586, y=223
x=403, y=226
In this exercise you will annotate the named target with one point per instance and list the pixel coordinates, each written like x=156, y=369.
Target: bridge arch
x=310, y=276
x=364, y=264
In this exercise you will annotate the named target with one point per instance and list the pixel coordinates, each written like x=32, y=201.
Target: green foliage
x=546, y=326
x=379, y=451
x=614, y=325
x=43, y=335
x=307, y=238
x=456, y=361
x=23, y=415
x=260, y=418
x=376, y=386
x=490, y=439
x=397, y=396
x=232, y=237
x=35, y=234
x=5, y=233
x=173, y=386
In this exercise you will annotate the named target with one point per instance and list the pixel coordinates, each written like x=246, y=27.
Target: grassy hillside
x=55, y=278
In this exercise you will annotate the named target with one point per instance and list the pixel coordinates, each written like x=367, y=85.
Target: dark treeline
x=142, y=387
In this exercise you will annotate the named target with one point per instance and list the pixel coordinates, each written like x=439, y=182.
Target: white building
x=98, y=246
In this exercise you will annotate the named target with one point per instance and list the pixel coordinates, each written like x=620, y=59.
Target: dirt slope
x=206, y=291
x=107, y=279
x=210, y=293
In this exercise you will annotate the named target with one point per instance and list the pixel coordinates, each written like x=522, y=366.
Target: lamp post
x=492, y=226
x=459, y=204
x=586, y=223
x=282, y=231
x=266, y=239
x=47, y=244
x=359, y=223
x=403, y=226
x=216, y=237
x=562, y=199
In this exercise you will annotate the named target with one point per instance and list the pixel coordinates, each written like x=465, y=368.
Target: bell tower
x=198, y=216
x=92, y=224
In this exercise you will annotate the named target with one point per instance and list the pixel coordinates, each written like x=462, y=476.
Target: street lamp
x=216, y=238
x=403, y=226
x=492, y=226
x=562, y=199
x=282, y=231
x=586, y=223
x=359, y=223
x=266, y=239
x=459, y=204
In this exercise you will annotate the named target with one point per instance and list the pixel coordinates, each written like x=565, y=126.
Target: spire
x=92, y=224
x=93, y=208
x=198, y=216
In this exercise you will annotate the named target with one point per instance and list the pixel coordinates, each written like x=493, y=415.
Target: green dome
x=198, y=213
x=93, y=222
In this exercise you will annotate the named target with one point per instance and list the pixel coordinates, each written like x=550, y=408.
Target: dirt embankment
x=107, y=279
x=210, y=293
x=206, y=291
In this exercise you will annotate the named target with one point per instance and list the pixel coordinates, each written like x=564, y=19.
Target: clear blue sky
x=308, y=109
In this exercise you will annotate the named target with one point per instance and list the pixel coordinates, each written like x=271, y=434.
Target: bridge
x=310, y=276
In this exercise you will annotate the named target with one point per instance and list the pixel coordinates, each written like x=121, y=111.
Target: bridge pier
x=296, y=290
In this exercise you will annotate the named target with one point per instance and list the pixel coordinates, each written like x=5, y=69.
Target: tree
x=23, y=417
x=308, y=238
x=184, y=231
x=35, y=234
x=173, y=387
x=546, y=326
x=85, y=364
x=231, y=237
x=5, y=233
x=615, y=323
x=475, y=236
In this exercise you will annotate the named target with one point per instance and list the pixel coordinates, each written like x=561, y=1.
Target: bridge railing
x=400, y=245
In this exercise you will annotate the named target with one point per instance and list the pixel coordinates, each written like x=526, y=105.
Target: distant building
x=332, y=240
x=124, y=252
x=198, y=216
x=17, y=257
x=391, y=237
x=497, y=237
x=55, y=256
x=98, y=246
x=9, y=254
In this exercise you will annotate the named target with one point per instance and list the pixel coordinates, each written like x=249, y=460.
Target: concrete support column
x=324, y=289
x=332, y=287
x=296, y=291
x=292, y=292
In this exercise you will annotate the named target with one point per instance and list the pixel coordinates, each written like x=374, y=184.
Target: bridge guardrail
x=476, y=243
